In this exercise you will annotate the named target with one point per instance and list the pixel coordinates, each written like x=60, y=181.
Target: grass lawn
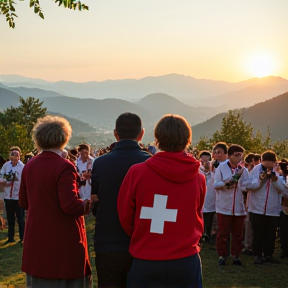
x=249, y=275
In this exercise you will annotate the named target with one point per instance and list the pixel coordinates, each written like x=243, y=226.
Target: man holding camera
x=10, y=178
x=267, y=189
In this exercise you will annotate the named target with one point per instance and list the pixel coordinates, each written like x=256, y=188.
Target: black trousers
x=112, y=269
x=179, y=273
x=264, y=234
x=284, y=231
x=13, y=209
x=208, y=222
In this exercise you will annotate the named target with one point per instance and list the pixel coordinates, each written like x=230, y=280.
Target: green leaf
x=41, y=15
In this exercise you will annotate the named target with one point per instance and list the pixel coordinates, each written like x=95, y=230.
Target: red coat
x=160, y=206
x=55, y=244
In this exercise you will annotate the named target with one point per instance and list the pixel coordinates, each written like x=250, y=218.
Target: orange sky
x=210, y=39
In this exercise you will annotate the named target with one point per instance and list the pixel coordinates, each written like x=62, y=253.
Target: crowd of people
x=153, y=205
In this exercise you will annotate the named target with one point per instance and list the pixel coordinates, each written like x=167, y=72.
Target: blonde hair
x=51, y=132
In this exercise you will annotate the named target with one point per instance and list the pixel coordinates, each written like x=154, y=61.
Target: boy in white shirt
x=267, y=189
x=230, y=180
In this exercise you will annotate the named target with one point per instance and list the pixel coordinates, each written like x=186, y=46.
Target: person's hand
x=240, y=171
x=263, y=176
x=94, y=198
x=87, y=205
x=86, y=175
x=274, y=177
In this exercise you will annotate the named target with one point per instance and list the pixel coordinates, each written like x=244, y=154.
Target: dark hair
x=172, y=133
x=221, y=145
x=235, y=148
x=204, y=153
x=257, y=157
x=269, y=155
x=84, y=146
x=249, y=158
x=128, y=126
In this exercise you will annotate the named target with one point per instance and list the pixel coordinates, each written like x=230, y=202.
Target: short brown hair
x=235, y=148
x=51, y=132
x=173, y=133
x=15, y=148
x=269, y=155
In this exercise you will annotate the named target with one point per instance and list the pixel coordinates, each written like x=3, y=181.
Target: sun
x=261, y=65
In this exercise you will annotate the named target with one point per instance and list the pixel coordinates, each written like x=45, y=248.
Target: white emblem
x=158, y=214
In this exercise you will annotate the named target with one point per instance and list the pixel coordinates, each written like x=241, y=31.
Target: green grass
x=249, y=275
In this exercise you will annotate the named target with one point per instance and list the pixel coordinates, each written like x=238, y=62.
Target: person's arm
x=278, y=183
x=244, y=180
x=255, y=183
x=23, y=199
x=67, y=192
x=218, y=181
x=94, y=188
x=126, y=202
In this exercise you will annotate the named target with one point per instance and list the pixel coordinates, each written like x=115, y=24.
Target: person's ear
x=116, y=135
x=139, y=138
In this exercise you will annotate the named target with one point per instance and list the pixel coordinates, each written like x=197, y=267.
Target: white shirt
x=12, y=192
x=85, y=191
x=230, y=201
x=265, y=199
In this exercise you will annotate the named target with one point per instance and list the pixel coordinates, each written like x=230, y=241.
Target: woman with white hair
x=55, y=246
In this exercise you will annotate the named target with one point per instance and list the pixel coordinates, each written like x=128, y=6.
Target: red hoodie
x=160, y=206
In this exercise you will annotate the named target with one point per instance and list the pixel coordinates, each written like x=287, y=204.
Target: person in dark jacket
x=111, y=244
x=160, y=207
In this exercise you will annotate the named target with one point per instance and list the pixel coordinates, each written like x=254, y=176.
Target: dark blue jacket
x=108, y=173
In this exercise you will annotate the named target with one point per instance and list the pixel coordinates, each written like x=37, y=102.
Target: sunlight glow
x=261, y=65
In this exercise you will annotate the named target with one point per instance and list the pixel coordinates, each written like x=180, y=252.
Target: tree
x=7, y=8
x=234, y=130
x=16, y=125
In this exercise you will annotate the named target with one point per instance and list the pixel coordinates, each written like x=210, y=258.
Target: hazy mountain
x=8, y=99
x=77, y=125
x=255, y=90
x=172, y=84
x=271, y=113
x=101, y=113
x=34, y=92
x=11, y=78
x=159, y=104
x=189, y=90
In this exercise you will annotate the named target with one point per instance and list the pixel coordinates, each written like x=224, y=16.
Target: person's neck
x=84, y=159
x=233, y=164
x=14, y=163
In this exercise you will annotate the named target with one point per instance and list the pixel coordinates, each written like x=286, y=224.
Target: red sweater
x=160, y=206
x=55, y=244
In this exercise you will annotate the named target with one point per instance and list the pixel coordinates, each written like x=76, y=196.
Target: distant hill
x=8, y=99
x=100, y=113
x=270, y=113
x=159, y=104
x=77, y=125
x=220, y=95
x=34, y=92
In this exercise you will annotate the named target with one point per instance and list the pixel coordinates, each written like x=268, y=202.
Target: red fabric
x=55, y=244
x=229, y=224
x=177, y=176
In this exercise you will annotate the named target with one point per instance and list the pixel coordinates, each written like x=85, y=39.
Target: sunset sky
x=230, y=40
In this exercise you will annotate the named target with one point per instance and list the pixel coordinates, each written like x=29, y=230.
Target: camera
x=215, y=163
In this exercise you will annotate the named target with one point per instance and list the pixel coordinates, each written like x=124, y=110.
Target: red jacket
x=171, y=183
x=55, y=244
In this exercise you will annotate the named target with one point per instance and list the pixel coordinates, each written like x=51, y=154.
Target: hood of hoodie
x=174, y=166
